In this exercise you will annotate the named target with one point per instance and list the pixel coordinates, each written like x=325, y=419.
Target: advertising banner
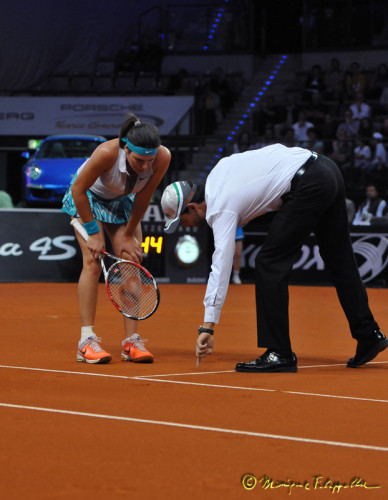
x=370, y=248
x=40, y=246
x=88, y=115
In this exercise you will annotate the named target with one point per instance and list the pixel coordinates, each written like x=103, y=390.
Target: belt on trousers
x=303, y=169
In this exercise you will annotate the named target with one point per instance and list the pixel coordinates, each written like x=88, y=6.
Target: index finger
x=198, y=362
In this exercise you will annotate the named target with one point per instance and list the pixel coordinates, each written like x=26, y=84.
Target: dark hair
x=142, y=134
x=198, y=196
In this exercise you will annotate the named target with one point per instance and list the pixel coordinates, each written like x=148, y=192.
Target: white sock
x=236, y=274
x=86, y=331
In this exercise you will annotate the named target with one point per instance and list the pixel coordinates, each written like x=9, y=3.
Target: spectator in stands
x=362, y=155
x=267, y=114
x=291, y=108
x=209, y=107
x=288, y=137
x=335, y=81
x=342, y=149
x=384, y=131
x=327, y=132
x=244, y=142
x=373, y=206
x=316, y=109
x=378, y=81
x=313, y=143
x=301, y=127
x=365, y=129
x=362, y=152
x=267, y=138
x=221, y=87
x=354, y=81
x=360, y=108
x=315, y=83
x=373, y=170
x=349, y=125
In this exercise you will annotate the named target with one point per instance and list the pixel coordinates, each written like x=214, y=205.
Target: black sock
x=281, y=352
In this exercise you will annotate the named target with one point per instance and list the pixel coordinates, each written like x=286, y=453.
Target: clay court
x=167, y=430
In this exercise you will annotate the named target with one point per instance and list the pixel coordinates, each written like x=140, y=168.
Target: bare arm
x=102, y=160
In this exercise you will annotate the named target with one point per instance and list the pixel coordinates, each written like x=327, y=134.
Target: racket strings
x=131, y=289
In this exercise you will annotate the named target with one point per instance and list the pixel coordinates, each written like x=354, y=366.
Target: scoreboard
x=182, y=257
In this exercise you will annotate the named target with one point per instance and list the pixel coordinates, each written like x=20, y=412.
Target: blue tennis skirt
x=116, y=211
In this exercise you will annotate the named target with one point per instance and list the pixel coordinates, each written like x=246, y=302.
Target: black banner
x=370, y=248
x=40, y=245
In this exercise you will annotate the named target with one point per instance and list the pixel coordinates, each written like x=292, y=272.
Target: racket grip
x=79, y=228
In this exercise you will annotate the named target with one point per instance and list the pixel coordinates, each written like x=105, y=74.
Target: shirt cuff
x=212, y=315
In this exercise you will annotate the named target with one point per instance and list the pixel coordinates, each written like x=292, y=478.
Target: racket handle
x=79, y=228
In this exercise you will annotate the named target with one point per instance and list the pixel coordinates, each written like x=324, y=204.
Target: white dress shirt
x=238, y=189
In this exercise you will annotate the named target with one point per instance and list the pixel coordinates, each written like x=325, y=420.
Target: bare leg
x=88, y=284
x=114, y=232
x=237, y=256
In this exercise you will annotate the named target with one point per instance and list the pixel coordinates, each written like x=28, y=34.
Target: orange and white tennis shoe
x=90, y=351
x=134, y=350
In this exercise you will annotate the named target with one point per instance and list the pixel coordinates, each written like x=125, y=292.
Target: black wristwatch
x=202, y=329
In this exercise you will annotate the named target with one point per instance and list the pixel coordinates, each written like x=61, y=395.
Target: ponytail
x=141, y=134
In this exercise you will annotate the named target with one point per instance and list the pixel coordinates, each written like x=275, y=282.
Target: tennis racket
x=131, y=288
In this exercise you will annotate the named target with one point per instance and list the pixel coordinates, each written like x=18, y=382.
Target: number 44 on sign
x=151, y=242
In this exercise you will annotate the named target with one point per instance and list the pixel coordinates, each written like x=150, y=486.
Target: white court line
x=199, y=427
x=67, y=372
x=260, y=389
x=151, y=378
x=338, y=397
x=234, y=371
x=187, y=373
x=207, y=385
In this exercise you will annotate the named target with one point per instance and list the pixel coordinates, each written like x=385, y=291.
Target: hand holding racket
x=131, y=288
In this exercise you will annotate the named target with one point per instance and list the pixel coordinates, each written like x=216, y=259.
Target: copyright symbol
x=248, y=481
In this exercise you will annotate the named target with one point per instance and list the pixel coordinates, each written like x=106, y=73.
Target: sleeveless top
x=116, y=182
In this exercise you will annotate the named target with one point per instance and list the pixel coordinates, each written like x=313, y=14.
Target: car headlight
x=34, y=172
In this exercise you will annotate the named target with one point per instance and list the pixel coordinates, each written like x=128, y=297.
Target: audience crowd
x=338, y=113
x=342, y=113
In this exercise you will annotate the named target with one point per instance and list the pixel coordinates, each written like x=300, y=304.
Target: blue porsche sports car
x=47, y=175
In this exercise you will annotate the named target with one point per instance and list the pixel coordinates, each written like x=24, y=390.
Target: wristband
x=91, y=227
x=202, y=329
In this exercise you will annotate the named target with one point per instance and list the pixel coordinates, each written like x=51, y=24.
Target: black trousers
x=316, y=204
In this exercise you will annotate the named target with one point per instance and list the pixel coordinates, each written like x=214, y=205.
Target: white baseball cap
x=377, y=135
x=174, y=200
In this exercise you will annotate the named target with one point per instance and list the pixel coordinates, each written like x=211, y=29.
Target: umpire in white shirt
x=307, y=192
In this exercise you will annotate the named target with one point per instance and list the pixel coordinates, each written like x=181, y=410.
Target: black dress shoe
x=368, y=349
x=270, y=362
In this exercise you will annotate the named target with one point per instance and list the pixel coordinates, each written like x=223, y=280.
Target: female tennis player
x=110, y=194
